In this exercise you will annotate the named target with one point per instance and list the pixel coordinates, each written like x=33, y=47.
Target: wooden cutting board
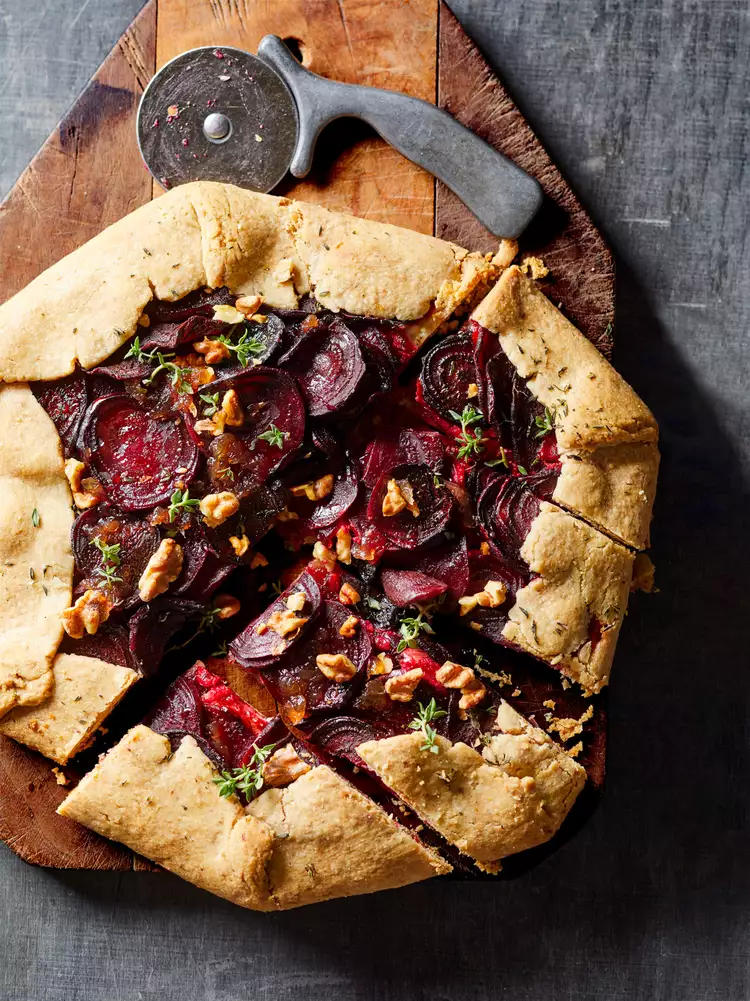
x=89, y=174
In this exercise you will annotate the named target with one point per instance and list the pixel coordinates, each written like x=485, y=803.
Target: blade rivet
x=217, y=127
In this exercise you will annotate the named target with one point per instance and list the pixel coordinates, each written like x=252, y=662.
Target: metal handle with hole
x=501, y=195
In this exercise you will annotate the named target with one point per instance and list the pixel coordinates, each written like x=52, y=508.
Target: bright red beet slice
x=407, y=587
x=338, y=502
x=404, y=530
x=240, y=459
x=413, y=445
x=137, y=539
x=505, y=510
x=254, y=649
x=448, y=564
x=448, y=370
x=329, y=367
x=137, y=458
x=297, y=683
x=65, y=401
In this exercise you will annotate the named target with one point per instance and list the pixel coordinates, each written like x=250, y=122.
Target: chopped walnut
x=336, y=667
x=87, y=614
x=349, y=627
x=492, y=596
x=226, y=606
x=472, y=694
x=285, y=515
x=87, y=490
x=468, y=603
x=316, y=489
x=472, y=391
x=484, y=548
x=380, y=664
x=248, y=304
x=399, y=496
x=212, y=425
x=60, y=777
x=228, y=314
x=349, y=595
x=144, y=320
x=454, y=675
x=344, y=546
x=497, y=591
x=258, y=560
x=214, y=352
x=401, y=687
x=231, y=407
x=283, y=767
x=324, y=554
x=283, y=623
x=534, y=267
x=296, y=602
x=216, y=508
x=240, y=544
x=163, y=567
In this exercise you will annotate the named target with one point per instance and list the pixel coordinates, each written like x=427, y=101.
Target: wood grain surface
x=89, y=173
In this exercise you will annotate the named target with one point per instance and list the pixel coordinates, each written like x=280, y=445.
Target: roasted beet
x=153, y=626
x=198, y=303
x=111, y=551
x=431, y=506
x=409, y=587
x=108, y=643
x=168, y=336
x=449, y=376
x=492, y=567
x=259, y=649
x=329, y=367
x=65, y=401
x=204, y=566
x=341, y=736
x=505, y=510
x=333, y=507
x=138, y=458
x=412, y=445
x=296, y=681
x=122, y=371
x=446, y=563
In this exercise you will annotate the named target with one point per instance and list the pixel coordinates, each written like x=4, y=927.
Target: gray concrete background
x=645, y=107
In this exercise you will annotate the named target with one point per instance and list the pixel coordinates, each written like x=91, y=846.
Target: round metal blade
x=217, y=114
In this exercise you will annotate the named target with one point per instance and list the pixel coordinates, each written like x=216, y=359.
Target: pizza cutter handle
x=501, y=195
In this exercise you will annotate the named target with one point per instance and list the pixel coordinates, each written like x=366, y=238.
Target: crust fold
x=36, y=562
x=607, y=437
x=511, y=797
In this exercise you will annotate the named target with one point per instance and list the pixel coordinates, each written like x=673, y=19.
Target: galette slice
x=233, y=802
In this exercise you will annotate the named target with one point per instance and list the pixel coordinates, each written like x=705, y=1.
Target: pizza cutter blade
x=223, y=114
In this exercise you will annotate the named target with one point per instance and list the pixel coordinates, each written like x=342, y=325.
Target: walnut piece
x=349, y=627
x=492, y=596
x=248, y=304
x=336, y=666
x=349, y=595
x=472, y=391
x=214, y=352
x=258, y=560
x=88, y=613
x=87, y=490
x=401, y=687
x=399, y=496
x=296, y=602
x=282, y=622
x=283, y=767
x=228, y=314
x=344, y=546
x=226, y=606
x=454, y=675
x=240, y=544
x=316, y=489
x=472, y=694
x=216, y=508
x=324, y=554
x=380, y=664
x=163, y=567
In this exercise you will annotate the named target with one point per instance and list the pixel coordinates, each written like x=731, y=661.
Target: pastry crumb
x=534, y=267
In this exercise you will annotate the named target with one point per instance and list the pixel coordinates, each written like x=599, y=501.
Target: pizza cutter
x=223, y=114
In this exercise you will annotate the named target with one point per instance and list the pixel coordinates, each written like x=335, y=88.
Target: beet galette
x=224, y=426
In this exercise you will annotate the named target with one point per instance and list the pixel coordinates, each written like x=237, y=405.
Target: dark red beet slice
x=448, y=564
x=448, y=370
x=198, y=303
x=273, y=407
x=204, y=568
x=338, y=502
x=492, y=567
x=329, y=367
x=404, y=531
x=505, y=511
x=168, y=336
x=65, y=401
x=121, y=371
x=297, y=683
x=137, y=539
x=408, y=587
x=109, y=643
x=341, y=736
x=413, y=445
x=135, y=456
x=153, y=626
x=254, y=649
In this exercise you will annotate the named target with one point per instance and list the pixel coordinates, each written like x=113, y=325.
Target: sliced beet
x=298, y=684
x=198, y=303
x=412, y=445
x=241, y=459
x=341, y=736
x=446, y=563
x=259, y=649
x=137, y=458
x=122, y=371
x=65, y=401
x=109, y=643
x=435, y=504
x=505, y=510
x=329, y=368
x=204, y=567
x=105, y=525
x=328, y=511
x=410, y=587
x=168, y=336
x=492, y=567
x=153, y=626
x=448, y=370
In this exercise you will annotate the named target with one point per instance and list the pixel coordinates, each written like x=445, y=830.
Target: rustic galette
x=225, y=436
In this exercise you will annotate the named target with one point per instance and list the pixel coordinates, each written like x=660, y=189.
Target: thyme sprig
x=410, y=629
x=247, y=779
x=545, y=422
x=177, y=375
x=247, y=348
x=181, y=501
x=212, y=403
x=111, y=559
x=426, y=714
x=273, y=436
x=472, y=442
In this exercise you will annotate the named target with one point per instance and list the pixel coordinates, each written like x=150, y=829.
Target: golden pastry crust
x=84, y=693
x=314, y=840
x=570, y=614
x=512, y=796
x=88, y=304
x=594, y=409
x=36, y=562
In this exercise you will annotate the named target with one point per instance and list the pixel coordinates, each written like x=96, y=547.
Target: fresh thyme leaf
x=502, y=460
x=177, y=375
x=221, y=650
x=273, y=436
x=248, y=779
x=410, y=629
x=544, y=423
x=212, y=403
x=35, y=518
x=426, y=714
x=470, y=415
x=246, y=348
x=110, y=561
x=136, y=351
x=373, y=603
x=181, y=501
x=522, y=471
x=472, y=442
